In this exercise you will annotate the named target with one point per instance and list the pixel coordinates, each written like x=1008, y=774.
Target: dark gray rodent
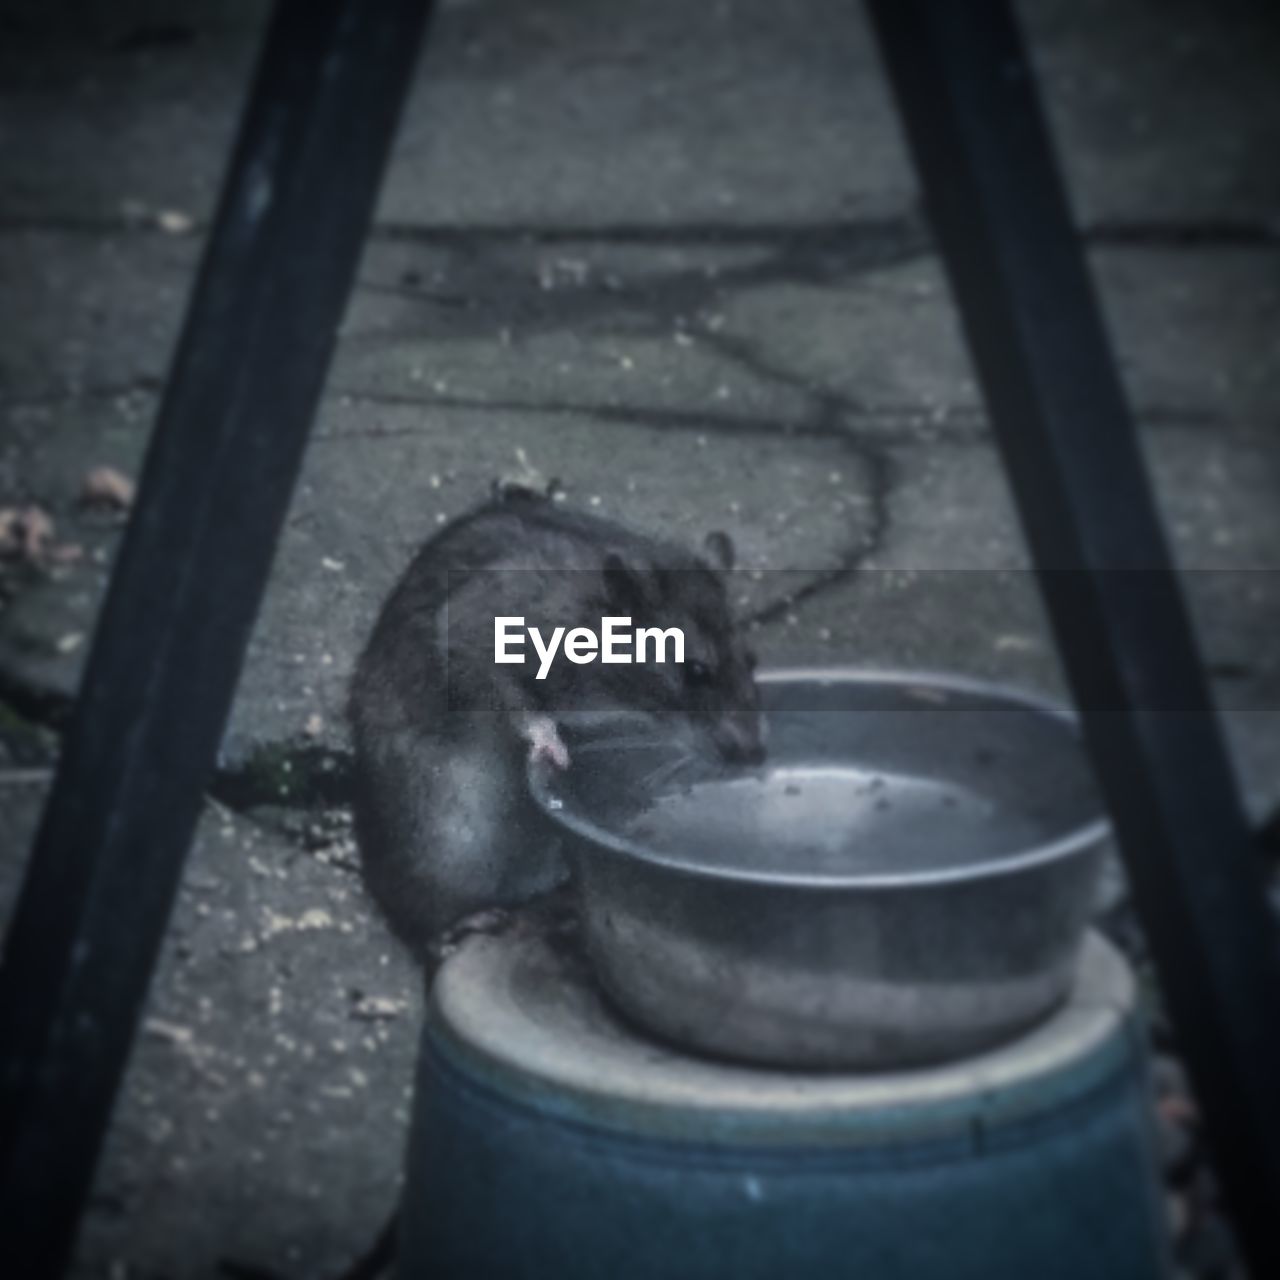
x=442, y=734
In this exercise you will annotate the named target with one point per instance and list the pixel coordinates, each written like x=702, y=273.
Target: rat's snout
x=740, y=740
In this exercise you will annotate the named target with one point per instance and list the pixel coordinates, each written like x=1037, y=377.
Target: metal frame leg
x=217, y=481
x=968, y=98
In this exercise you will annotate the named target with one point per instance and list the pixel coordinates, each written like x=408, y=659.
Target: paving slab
x=263, y=1114
x=729, y=112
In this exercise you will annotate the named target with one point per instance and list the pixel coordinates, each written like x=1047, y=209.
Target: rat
x=447, y=832
x=448, y=835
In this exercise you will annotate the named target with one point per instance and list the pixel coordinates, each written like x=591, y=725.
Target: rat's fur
x=444, y=822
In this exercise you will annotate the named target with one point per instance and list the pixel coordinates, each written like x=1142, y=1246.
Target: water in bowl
x=833, y=821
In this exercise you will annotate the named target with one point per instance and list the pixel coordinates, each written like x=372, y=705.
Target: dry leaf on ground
x=107, y=487
x=26, y=533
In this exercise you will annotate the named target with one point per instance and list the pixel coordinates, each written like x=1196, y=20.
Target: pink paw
x=545, y=742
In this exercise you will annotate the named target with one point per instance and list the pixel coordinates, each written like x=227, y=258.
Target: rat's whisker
x=664, y=772
x=619, y=744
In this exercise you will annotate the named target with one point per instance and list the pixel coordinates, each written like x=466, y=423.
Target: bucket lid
x=519, y=1014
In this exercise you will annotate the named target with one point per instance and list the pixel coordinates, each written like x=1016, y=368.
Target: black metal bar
x=219, y=473
x=968, y=98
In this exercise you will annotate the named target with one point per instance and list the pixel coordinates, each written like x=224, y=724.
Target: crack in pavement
x=659, y=418
x=831, y=411
x=320, y=777
x=484, y=286
x=959, y=424
x=55, y=398
x=1225, y=231
x=1200, y=233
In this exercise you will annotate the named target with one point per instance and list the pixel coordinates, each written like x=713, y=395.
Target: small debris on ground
x=368, y=1008
x=107, y=489
x=175, y=222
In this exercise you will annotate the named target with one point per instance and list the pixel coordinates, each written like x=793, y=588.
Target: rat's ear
x=719, y=548
x=623, y=586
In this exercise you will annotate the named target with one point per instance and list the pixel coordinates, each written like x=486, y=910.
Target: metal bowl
x=906, y=880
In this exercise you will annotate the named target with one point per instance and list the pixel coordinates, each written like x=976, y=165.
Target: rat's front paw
x=545, y=742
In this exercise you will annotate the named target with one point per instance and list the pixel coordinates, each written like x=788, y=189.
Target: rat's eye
x=697, y=675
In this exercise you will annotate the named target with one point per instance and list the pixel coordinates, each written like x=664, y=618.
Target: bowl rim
x=1076, y=840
